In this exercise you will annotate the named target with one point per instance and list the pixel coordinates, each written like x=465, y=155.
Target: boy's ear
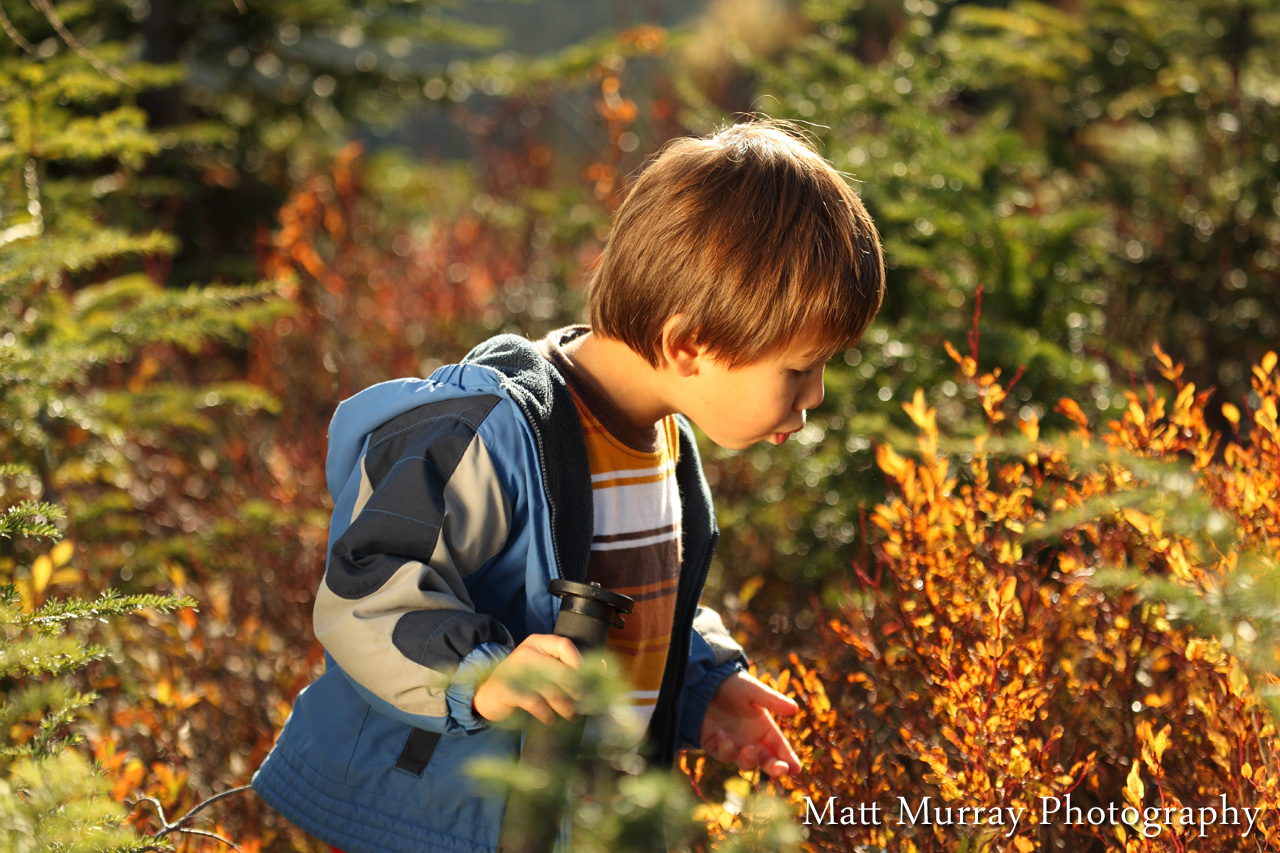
x=681, y=354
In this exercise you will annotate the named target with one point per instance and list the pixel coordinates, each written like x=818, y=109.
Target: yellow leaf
x=750, y=588
x=1162, y=355
x=26, y=594
x=890, y=461
x=41, y=571
x=1134, y=790
x=1030, y=427
x=708, y=813
x=1231, y=413
x=737, y=786
x=916, y=407
x=1269, y=361
x=1247, y=770
x=1237, y=681
x=1024, y=845
x=1160, y=742
x=62, y=552
x=1220, y=745
x=1007, y=590
x=1072, y=410
x=1137, y=519
x=1185, y=396
x=968, y=366
x=65, y=576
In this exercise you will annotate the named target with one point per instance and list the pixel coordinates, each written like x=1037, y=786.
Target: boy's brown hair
x=754, y=239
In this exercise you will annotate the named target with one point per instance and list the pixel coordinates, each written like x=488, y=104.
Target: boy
x=737, y=265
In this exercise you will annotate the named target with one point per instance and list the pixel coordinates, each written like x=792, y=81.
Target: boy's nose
x=811, y=394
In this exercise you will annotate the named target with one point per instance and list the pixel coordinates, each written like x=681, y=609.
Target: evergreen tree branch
x=31, y=518
x=35, y=226
x=110, y=603
x=46, y=8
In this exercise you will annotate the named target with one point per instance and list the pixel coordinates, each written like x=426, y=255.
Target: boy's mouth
x=780, y=437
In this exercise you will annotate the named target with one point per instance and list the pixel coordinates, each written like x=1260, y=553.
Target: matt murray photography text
x=925, y=811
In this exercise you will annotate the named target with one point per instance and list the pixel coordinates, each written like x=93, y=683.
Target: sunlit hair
x=752, y=238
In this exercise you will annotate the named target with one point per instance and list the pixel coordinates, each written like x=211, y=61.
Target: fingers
x=759, y=693
x=776, y=703
x=538, y=707
x=780, y=751
x=776, y=767
x=553, y=646
x=758, y=746
x=761, y=757
x=720, y=747
x=537, y=677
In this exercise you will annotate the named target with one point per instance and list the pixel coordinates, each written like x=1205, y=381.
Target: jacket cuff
x=461, y=693
x=698, y=696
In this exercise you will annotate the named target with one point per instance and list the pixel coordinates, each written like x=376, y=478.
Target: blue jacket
x=456, y=500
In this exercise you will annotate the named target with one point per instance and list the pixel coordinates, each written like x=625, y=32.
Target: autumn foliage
x=1093, y=614
x=1024, y=628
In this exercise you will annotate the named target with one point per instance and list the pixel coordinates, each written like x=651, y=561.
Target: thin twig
x=215, y=798
x=154, y=802
x=178, y=825
x=186, y=830
x=12, y=32
x=46, y=8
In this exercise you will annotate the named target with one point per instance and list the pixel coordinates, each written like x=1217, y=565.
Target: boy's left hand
x=739, y=727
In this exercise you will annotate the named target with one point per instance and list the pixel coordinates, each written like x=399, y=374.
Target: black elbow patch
x=439, y=639
x=408, y=464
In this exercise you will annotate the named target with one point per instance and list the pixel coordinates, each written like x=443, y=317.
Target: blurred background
x=218, y=218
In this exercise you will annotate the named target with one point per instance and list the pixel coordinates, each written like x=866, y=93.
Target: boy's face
x=761, y=401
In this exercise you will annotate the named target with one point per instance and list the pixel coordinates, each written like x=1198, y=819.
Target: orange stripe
x=630, y=481
x=649, y=587
x=602, y=441
x=642, y=645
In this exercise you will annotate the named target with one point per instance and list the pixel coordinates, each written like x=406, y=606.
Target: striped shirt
x=635, y=547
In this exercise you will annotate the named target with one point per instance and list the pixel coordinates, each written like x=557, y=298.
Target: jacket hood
x=508, y=364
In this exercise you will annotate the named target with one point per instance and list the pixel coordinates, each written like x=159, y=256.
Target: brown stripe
x=639, y=534
x=650, y=596
x=654, y=586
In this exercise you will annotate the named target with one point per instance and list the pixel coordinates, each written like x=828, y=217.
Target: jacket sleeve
x=713, y=657
x=393, y=611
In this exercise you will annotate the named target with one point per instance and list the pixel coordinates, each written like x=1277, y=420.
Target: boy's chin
x=775, y=439
x=778, y=438
x=734, y=444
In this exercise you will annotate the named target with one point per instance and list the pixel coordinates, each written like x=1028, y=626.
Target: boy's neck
x=628, y=381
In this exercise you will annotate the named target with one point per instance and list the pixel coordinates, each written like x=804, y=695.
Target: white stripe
x=643, y=694
x=635, y=543
x=637, y=507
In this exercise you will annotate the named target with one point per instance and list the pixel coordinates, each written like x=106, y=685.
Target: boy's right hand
x=537, y=677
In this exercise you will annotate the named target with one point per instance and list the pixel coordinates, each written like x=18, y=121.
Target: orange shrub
x=979, y=664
